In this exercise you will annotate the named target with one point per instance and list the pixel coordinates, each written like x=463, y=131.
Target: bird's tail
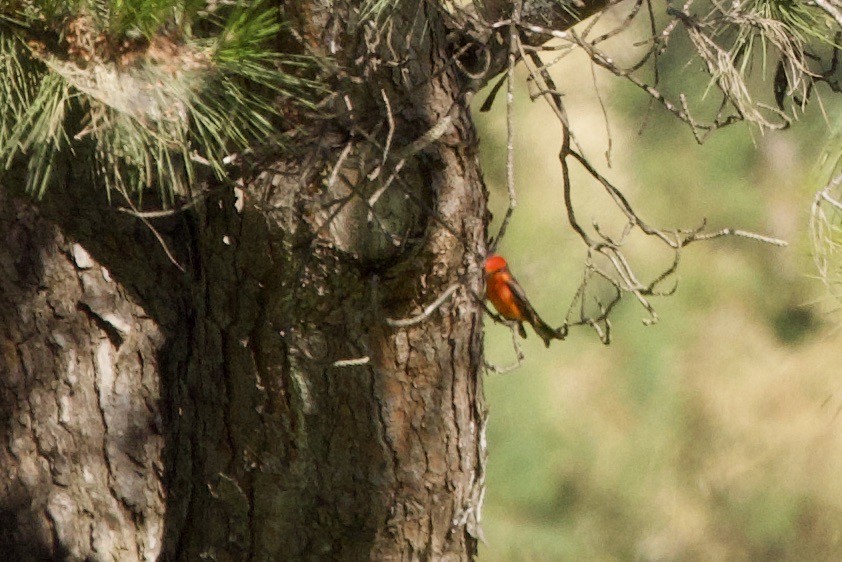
x=544, y=331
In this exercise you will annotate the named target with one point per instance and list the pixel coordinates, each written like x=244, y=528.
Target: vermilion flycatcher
x=508, y=297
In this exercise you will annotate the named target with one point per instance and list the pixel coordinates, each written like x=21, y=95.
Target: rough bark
x=79, y=392
x=157, y=414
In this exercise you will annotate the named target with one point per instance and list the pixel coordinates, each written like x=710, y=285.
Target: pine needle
x=156, y=92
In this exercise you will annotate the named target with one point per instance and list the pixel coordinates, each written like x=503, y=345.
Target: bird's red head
x=494, y=263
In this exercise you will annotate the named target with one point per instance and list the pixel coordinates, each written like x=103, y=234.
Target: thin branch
x=152, y=229
x=604, y=116
x=417, y=319
x=739, y=233
x=352, y=362
x=390, y=119
x=519, y=357
x=164, y=212
x=334, y=174
x=833, y=202
x=514, y=40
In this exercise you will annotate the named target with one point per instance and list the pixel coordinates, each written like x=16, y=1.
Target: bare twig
x=519, y=357
x=604, y=116
x=428, y=310
x=163, y=213
x=338, y=166
x=514, y=40
x=352, y=362
x=152, y=229
x=739, y=233
x=833, y=202
x=390, y=119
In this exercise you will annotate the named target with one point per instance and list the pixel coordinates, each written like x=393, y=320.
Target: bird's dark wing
x=544, y=331
x=519, y=294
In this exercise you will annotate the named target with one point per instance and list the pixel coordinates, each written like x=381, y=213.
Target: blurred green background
x=714, y=434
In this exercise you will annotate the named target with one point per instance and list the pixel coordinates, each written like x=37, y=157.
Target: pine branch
x=151, y=92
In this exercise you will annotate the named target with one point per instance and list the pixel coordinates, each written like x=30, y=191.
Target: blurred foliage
x=712, y=435
x=826, y=216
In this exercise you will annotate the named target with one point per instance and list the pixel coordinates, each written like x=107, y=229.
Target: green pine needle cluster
x=748, y=33
x=788, y=25
x=153, y=93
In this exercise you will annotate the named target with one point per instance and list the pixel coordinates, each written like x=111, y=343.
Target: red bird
x=508, y=297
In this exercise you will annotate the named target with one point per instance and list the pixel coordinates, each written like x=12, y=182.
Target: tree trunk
x=152, y=413
x=80, y=390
